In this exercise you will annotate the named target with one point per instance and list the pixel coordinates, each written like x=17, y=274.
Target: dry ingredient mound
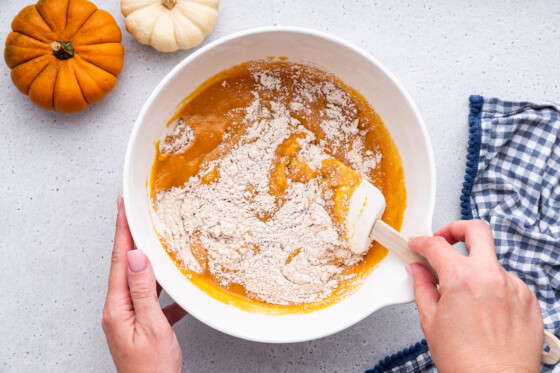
x=285, y=254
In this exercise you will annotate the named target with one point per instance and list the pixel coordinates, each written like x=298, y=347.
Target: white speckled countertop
x=61, y=174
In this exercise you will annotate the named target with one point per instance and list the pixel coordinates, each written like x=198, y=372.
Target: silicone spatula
x=364, y=225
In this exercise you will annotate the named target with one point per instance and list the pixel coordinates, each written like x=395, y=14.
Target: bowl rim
x=295, y=30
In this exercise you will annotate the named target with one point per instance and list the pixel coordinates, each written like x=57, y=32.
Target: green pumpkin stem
x=63, y=50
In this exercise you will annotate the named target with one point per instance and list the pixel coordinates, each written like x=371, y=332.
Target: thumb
x=425, y=290
x=142, y=285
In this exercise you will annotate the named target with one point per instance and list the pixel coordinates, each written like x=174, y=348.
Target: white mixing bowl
x=388, y=283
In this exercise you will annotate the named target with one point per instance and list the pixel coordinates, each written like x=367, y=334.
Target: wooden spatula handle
x=398, y=244
x=553, y=355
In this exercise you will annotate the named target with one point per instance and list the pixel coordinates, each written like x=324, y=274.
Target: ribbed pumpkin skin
x=65, y=85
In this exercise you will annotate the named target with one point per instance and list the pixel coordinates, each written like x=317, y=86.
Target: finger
x=523, y=292
x=476, y=234
x=118, y=284
x=174, y=313
x=158, y=288
x=142, y=285
x=436, y=250
x=425, y=290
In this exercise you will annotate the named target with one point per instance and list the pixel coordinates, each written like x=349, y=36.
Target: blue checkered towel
x=513, y=182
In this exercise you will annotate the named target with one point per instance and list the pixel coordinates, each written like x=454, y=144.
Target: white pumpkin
x=168, y=25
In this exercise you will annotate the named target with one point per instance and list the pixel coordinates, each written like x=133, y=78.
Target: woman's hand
x=482, y=319
x=138, y=331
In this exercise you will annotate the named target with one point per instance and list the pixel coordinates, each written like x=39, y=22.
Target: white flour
x=179, y=135
x=295, y=256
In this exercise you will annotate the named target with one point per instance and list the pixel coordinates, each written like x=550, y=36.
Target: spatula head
x=366, y=206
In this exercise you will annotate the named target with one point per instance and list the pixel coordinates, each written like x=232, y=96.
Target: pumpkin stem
x=169, y=4
x=63, y=50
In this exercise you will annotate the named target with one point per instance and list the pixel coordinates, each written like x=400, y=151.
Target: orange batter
x=210, y=111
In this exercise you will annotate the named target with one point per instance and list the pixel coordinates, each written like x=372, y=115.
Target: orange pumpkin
x=64, y=54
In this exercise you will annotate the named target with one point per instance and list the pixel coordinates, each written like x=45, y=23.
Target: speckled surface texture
x=61, y=174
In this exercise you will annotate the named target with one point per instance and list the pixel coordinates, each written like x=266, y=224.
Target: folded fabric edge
x=400, y=357
x=473, y=153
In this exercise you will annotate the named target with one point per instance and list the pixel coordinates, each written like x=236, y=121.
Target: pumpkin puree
x=209, y=110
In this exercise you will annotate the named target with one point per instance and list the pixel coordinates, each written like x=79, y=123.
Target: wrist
x=499, y=368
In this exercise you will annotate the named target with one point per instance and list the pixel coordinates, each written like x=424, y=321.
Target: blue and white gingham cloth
x=513, y=182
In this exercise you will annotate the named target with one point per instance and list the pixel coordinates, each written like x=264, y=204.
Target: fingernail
x=409, y=270
x=119, y=203
x=136, y=261
x=411, y=237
